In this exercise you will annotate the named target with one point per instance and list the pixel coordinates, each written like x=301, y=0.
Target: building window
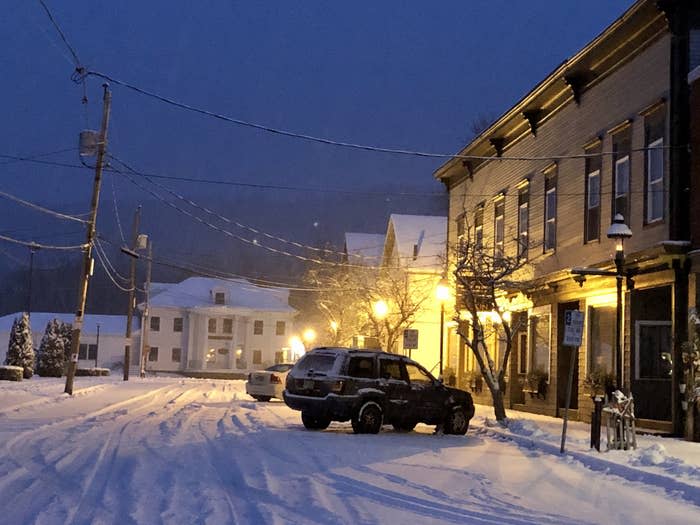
x=87, y=351
x=550, y=213
x=219, y=298
x=499, y=228
x=280, y=328
x=257, y=327
x=601, y=339
x=212, y=325
x=228, y=326
x=153, y=353
x=177, y=324
x=176, y=355
x=522, y=350
x=279, y=357
x=655, y=197
x=257, y=357
x=461, y=226
x=654, y=176
x=479, y=227
x=539, y=340
x=523, y=221
x=155, y=324
x=592, y=219
x=622, y=185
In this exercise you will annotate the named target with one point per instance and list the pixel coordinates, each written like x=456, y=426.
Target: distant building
x=207, y=326
x=416, y=244
x=364, y=248
x=101, y=341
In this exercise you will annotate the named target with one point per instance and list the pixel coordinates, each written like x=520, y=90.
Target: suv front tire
x=457, y=421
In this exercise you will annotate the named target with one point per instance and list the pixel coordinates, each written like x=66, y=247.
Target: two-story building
x=606, y=133
x=213, y=326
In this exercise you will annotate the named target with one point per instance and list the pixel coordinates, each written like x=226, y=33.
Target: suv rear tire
x=314, y=423
x=369, y=419
x=457, y=421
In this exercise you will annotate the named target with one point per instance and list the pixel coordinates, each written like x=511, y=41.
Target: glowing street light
x=309, y=336
x=380, y=309
x=334, y=326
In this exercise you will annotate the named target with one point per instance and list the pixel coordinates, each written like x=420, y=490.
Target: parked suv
x=370, y=389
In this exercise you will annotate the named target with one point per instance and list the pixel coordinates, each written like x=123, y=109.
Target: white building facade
x=213, y=326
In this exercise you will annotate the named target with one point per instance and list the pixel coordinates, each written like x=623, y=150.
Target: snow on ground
x=173, y=450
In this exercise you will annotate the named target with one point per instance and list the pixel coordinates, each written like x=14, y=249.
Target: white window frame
x=539, y=312
x=656, y=145
x=550, y=217
x=625, y=190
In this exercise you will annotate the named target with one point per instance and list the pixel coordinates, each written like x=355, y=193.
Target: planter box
x=92, y=372
x=11, y=373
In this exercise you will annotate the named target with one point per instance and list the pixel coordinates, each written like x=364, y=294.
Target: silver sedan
x=263, y=385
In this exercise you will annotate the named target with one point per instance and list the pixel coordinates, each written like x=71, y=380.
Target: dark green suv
x=371, y=389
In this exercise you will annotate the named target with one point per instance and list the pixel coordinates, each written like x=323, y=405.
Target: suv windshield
x=316, y=362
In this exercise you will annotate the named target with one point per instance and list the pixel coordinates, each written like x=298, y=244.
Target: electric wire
x=38, y=155
x=62, y=34
x=330, y=142
x=100, y=248
x=37, y=245
x=41, y=208
x=116, y=210
x=111, y=277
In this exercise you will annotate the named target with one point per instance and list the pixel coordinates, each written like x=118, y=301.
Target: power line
x=330, y=142
x=41, y=208
x=78, y=65
x=38, y=155
x=33, y=244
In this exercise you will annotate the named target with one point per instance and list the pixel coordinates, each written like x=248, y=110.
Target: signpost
x=410, y=340
x=573, y=332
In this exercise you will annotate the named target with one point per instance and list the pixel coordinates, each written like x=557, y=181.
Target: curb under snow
x=674, y=486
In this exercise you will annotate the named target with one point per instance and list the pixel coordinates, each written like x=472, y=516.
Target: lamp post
x=619, y=231
x=442, y=292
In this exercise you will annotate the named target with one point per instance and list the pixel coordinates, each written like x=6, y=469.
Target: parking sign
x=573, y=328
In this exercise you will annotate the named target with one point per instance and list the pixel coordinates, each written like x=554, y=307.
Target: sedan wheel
x=457, y=422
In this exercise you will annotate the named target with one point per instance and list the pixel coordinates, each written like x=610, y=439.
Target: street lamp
x=309, y=336
x=442, y=292
x=380, y=309
x=619, y=231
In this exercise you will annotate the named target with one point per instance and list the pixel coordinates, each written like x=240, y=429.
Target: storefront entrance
x=651, y=352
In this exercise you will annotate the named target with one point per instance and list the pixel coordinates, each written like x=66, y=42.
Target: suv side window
x=417, y=375
x=390, y=369
x=361, y=367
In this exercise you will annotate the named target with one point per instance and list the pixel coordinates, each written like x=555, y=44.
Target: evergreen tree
x=66, y=331
x=20, y=351
x=51, y=354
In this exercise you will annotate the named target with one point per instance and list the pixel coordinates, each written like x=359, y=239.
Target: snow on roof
x=366, y=247
x=156, y=288
x=419, y=241
x=109, y=324
x=198, y=292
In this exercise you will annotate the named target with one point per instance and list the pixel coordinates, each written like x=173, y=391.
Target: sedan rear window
x=316, y=362
x=279, y=368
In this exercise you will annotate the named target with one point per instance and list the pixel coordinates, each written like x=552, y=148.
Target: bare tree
x=483, y=278
x=347, y=297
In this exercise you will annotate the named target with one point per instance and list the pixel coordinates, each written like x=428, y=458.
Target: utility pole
x=132, y=292
x=146, y=320
x=87, y=260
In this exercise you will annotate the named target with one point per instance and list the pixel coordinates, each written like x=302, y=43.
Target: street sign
x=573, y=327
x=410, y=339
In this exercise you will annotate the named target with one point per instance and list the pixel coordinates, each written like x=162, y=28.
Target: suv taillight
x=337, y=387
x=275, y=379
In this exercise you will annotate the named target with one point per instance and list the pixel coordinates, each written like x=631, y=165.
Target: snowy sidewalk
x=667, y=463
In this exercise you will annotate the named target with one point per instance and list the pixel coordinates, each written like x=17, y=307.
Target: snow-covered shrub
x=66, y=331
x=11, y=373
x=92, y=372
x=51, y=360
x=20, y=351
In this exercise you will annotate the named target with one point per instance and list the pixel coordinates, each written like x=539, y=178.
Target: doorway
x=564, y=361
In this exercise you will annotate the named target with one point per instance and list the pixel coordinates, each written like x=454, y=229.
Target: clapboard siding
x=622, y=95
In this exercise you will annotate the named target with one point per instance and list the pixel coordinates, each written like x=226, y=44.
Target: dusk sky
x=410, y=75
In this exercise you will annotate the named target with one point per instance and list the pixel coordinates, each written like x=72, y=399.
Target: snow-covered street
x=173, y=450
